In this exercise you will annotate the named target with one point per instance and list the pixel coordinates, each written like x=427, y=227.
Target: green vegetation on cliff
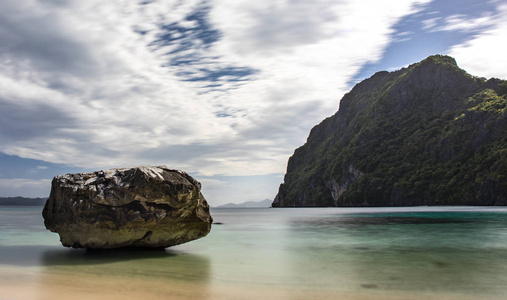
x=429, y=134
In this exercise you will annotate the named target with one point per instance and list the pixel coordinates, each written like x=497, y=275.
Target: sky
x=225, y=90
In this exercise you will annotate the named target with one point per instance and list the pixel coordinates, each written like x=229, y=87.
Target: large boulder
x=144, y=207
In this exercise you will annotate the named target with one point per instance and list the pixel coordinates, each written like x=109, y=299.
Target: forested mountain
x=428, y=134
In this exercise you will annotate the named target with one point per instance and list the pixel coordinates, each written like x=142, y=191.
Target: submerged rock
x=145, y=207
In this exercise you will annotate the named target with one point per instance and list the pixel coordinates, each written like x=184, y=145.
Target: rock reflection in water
x=140, y=263
x=124, y=274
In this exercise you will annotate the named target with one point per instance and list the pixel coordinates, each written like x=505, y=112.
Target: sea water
x=283, y=253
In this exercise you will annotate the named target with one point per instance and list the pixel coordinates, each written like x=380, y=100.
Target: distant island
x=21, y=201
x=428, y=134
x=248, y=204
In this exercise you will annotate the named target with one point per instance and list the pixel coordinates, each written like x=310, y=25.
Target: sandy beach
x=30, y=284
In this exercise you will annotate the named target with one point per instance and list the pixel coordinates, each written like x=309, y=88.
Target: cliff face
x=429, y=134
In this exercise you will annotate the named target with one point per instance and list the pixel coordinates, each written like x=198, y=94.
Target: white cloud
x=102, y=84
x=110, y=101
x=430, y=24
x=24, y=187
x=484, y=55
x=458, y=23
x=240, y=189
x=117, y=99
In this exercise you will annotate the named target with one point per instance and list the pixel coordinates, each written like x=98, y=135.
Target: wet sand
x=30, y=284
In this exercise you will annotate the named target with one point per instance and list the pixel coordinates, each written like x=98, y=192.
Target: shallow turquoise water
x=440, y=250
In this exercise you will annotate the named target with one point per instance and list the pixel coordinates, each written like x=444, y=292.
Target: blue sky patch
x=422, y=34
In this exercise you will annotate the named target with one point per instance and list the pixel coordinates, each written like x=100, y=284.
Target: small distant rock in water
x=141, y=207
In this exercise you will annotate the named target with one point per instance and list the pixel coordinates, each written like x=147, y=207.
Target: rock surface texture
x=428, y=134
x=141, y=207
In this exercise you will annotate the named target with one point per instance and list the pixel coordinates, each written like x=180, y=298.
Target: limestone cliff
x=428, y=134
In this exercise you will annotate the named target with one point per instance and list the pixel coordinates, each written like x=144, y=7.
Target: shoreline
x=26, y=284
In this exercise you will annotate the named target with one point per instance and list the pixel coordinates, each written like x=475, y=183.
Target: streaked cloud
x=24, y=187
x=107, y=82
x=484, y=55
x=435, y=28
x=458, y=23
